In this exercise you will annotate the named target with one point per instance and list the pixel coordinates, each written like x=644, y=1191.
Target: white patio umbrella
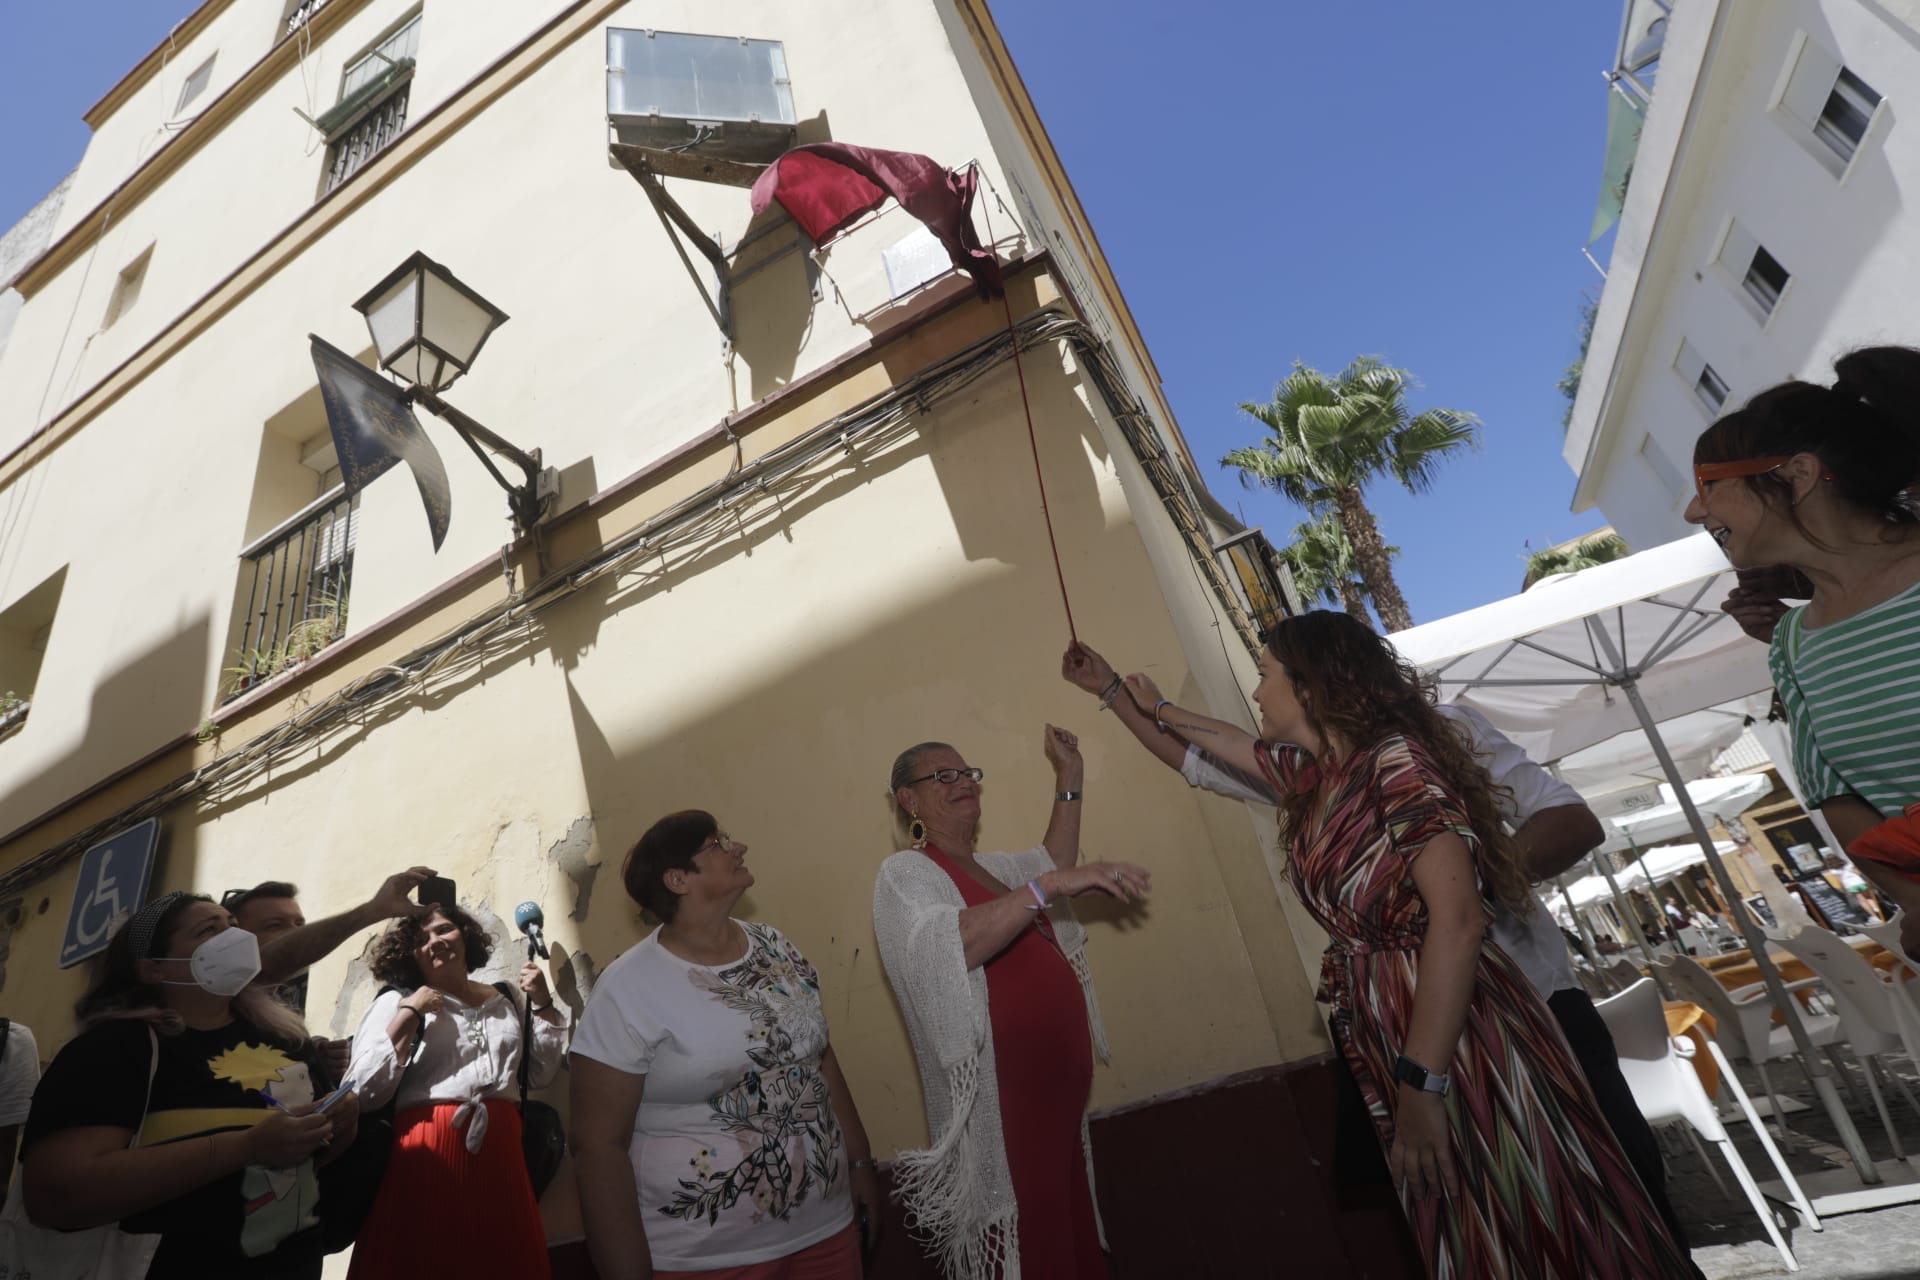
x=1583, y=657
x=1715, y=799
x=1621, y=765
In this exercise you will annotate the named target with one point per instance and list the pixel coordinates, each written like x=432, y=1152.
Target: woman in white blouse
x=712, y=1128
x=446, y=1051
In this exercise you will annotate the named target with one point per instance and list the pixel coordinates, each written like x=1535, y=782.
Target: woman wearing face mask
x=227, y=1135
x=446, y=1051
x=1821, y=480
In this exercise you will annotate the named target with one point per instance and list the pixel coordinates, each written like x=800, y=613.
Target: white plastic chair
x=1869, y=1020
x=1744, y=1025
x=1658, y=1069
x=1622, y=973
x=1888, y=935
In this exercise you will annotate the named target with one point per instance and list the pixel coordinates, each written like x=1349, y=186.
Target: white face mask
x=223, y=965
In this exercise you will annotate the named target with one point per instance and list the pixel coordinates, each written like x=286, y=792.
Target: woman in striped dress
x=1506, y=1168
x=1818, y=478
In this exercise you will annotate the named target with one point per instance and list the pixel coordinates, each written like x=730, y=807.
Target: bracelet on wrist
x=1112, y=691
x=865, y=1164
x=1066, y=795
x=542, y=1008
x=1040, y=902
x=1158, y=722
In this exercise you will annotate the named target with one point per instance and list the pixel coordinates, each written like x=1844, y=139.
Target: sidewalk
x=1730, y=1244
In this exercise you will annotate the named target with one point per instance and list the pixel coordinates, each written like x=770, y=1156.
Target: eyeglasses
x=718, y=840
x=1705, y=473
x=947, y=776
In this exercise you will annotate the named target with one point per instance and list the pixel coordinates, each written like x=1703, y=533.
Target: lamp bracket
x=530, y=501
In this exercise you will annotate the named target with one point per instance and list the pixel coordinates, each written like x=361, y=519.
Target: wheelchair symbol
x=112, y=882
x=101, y=904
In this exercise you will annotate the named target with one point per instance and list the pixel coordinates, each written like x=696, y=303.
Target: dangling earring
x=916, y=831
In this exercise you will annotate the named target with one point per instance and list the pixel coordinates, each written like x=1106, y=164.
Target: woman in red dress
x=986, y=959
x=1506, y=1168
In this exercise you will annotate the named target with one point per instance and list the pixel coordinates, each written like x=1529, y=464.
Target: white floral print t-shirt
x=736, y=1152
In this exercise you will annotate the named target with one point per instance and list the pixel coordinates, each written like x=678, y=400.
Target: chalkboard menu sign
x=1834, y=905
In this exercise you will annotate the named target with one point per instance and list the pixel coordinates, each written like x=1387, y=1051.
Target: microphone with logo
x=528, y=918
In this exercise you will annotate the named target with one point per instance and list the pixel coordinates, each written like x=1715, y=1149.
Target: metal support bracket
x=647, y=166
x=530, y=501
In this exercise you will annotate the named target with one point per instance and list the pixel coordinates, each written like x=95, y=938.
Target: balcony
x=294, y=583
x=350, y=150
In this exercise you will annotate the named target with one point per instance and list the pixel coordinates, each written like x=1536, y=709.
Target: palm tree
x=1329, y=437
x=1321, y=560
x=1580, y=553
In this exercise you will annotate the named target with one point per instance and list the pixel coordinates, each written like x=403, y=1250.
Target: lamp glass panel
x=452, y=321
x=390, y=319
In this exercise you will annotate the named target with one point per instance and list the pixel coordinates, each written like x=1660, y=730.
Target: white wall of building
x=1720, y=148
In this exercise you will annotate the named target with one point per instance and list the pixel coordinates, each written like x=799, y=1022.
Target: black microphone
x=529, y=918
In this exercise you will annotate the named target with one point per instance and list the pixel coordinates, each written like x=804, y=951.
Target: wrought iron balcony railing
x=295, y=580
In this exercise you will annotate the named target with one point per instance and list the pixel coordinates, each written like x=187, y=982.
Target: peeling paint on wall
x=569, y=853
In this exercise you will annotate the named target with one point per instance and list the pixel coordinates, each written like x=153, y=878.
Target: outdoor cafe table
x=1737, y=969
x=1690, y=1020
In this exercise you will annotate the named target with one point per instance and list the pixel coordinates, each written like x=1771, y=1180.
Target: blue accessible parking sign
x=112, y=885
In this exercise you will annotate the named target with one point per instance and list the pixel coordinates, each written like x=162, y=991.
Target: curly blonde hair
x=1355, y=686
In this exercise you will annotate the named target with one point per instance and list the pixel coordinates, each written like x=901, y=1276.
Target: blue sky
x=1271, y=181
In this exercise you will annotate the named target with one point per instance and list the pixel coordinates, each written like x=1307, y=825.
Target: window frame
x=1693, y=369
x=400, y=72
x=1736, y=254
x=189, y=90
x=127, y=287
x=1800, y=110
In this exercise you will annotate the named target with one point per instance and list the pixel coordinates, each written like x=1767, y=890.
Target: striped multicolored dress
x=1545, y=1191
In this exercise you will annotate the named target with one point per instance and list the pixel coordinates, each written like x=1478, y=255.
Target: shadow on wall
x=140, y=705
x=775, y=287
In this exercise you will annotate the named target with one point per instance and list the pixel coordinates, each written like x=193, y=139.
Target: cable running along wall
x=713, y=514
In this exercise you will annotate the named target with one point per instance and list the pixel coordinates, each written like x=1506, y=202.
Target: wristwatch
x=1407, y=1071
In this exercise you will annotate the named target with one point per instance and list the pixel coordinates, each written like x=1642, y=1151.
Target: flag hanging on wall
x=828, y=186
x=373, y=428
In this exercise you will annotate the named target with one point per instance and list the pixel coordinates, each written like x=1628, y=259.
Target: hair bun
x=1886, y=380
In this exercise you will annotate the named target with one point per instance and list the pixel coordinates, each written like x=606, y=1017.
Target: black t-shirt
x=252, y=1225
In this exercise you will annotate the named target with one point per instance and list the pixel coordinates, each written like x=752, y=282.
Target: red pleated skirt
x=444, y=1210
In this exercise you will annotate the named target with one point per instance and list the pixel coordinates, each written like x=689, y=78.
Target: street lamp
x=428, y=328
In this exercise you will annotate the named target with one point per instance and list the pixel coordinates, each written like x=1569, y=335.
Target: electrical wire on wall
x=729, y=508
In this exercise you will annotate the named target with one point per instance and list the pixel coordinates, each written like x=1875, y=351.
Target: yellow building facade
x=780, y=552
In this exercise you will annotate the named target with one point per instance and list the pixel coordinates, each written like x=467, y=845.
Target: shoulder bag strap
x=153, y=1069
x=526, y=1039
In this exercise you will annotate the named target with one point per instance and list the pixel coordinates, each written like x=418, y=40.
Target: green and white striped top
x=1852, y=693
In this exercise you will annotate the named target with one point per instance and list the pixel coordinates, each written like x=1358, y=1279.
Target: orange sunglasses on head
x=1705, y=473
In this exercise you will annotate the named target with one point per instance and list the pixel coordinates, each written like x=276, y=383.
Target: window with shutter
x=1826, y=107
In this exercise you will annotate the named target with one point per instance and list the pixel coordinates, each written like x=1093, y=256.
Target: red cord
x=1034, y=442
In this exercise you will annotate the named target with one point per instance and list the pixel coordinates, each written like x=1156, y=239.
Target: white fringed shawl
x=958, y=1192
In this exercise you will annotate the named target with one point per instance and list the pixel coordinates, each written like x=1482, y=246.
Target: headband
x=146, y=922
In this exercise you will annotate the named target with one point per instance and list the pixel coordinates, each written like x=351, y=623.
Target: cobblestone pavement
x=1730, y=1244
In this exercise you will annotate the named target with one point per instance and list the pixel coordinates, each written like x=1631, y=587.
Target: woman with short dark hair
x=1822, y=479
x=711, y=1125
x=184, y=1109
x=445, y=1050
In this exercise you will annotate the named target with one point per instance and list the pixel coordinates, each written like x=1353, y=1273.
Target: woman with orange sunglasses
x=1820, y=479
